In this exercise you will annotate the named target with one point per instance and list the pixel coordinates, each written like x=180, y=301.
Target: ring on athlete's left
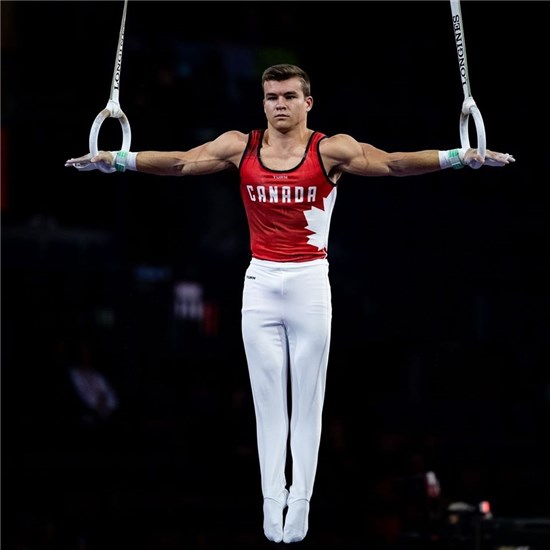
x=469, y=107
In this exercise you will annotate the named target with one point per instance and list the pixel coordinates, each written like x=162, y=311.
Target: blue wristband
x=454, y=158
x=120, y=161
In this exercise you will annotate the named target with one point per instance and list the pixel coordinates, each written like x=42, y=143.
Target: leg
x=308, y=318
x=266, y=350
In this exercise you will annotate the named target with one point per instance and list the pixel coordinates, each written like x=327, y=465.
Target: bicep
x=346, y=154
x=222, y=153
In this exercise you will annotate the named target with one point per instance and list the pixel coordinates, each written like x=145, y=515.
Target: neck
x=273, y=136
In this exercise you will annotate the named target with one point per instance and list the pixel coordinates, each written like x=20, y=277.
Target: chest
x=281, y=159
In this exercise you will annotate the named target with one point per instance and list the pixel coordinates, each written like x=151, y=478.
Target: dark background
x=440, y=355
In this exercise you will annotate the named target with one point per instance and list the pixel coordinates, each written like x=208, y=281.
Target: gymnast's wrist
x=453, y=158
x=124, y=160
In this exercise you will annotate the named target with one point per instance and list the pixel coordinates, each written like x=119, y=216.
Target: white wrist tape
x=453, y=158
x=131, y=161
x=124, y=160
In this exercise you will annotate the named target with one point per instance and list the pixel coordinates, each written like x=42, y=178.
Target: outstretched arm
x=342, y=153
x=222, y=153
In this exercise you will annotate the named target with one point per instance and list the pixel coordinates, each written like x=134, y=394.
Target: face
x=284, y=103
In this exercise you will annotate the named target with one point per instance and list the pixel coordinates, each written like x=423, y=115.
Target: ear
x=309, y=103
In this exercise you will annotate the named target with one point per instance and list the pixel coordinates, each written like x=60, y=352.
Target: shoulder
x=228, y=145
x=232, y=138
x=339, y=147
x=339, y=141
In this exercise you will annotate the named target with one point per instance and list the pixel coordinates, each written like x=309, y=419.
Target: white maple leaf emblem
x=318, y=221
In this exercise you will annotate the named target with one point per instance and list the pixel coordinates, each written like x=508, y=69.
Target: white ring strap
x=469, y=106
x=113, y=106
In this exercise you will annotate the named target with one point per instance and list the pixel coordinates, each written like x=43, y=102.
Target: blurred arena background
x=441, y=351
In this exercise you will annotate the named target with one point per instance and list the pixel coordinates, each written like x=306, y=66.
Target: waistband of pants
x=288, y=265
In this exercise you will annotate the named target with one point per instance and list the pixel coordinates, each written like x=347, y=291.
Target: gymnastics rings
x=113, y=106
x=469, y=106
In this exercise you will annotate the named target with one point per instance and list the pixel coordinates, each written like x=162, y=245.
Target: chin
x=282, y=124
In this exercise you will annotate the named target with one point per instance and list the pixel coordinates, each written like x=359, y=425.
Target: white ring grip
x=96, y=126
x=470, y=108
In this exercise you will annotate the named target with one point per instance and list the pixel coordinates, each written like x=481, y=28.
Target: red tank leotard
x=288, y=211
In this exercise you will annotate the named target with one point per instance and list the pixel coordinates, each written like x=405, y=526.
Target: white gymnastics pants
x=286, y=324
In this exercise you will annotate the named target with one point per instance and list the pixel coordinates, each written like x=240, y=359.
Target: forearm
x=158, y=163
x=149, y=162
x=423, y=162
